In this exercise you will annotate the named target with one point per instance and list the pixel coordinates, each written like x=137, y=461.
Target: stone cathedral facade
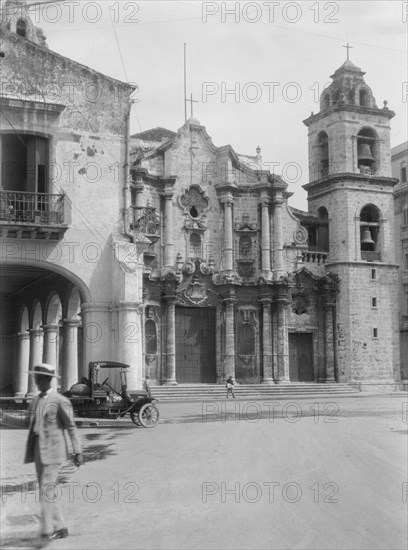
x=236, y=282
x=180, y=258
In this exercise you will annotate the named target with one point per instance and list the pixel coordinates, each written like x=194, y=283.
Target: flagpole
x=185, y=84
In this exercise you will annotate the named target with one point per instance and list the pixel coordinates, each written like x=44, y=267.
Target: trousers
x=47, y=475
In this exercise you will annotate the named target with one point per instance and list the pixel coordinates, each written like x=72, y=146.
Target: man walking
x=49, y=417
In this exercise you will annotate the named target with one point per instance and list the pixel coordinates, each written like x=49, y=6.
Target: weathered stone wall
x=84, y=116
x=87, y=154
x=361, y=355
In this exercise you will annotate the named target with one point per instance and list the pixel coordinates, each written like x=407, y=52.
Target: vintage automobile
x=110, y=398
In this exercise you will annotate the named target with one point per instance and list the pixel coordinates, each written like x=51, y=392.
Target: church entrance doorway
x=301, y=357
x=195, y=345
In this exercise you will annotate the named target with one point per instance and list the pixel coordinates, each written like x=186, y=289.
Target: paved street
x=323, y=473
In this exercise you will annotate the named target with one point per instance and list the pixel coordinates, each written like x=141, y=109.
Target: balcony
x=370, y=256
x=314, y=255
x=145, y=221
x=33, y=215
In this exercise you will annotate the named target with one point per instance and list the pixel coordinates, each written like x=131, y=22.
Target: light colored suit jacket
x=55, y=420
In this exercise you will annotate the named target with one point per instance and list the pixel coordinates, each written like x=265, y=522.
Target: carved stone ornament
x=152, y=313
x=227, y=278
x=299, y=305
x=127, y=254
x=193, y=201
x=196, y=293
x=300, y=235
x=193, y=225
x=299, y=285
x=245, y=226
x=207, y=268
x=189, y=267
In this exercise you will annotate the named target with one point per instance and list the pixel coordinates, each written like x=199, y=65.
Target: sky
x=256, y=68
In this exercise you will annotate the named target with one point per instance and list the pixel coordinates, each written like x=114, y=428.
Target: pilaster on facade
x=228, y=202
x=266, y=273
x=170, y=330
x=278, y=265
x=267, y=352
x=329, y=341
x=168, y=239
x=229, y=307
x=282, y=337
x=127, y=317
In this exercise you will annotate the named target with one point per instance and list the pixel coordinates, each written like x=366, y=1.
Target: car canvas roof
x=110, y=365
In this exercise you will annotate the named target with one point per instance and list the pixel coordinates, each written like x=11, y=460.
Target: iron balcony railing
x=32, y=208
x=145, y=220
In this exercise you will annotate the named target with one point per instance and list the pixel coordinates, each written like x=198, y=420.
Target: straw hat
x=44, y=369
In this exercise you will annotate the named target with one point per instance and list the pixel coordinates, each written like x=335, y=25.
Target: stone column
x=282, y=342
x=139, y=187
x=168, y=259
x=228, y=235
x=35, y=356
x=50, y=349
x=218, y=344
x=274, y=342
x=23, y=356
x=267, y=342
x=70, y=373
x=266, y=240
x=129, y=349
x=277, y=236
x=171, y=342
x=329, y=341
x=229, y=337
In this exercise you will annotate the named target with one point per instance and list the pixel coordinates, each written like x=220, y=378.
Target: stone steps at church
x=193, y=392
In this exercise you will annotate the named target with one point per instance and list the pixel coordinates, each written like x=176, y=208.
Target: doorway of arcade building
x=301, y=357
x=40, y=322
x=195, y=345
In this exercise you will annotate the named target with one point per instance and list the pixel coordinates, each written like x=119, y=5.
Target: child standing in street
x=230, y=386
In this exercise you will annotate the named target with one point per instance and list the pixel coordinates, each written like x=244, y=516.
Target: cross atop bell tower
x=348, y=48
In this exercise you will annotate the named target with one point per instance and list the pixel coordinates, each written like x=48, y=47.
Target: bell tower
x=16, y=18
x=350, y=181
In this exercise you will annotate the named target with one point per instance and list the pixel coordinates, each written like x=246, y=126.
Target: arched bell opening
x=364, y=98
x=21, y=28
x=369, y=232
x=152, y=346
x=367, y=151
x=322, y=154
